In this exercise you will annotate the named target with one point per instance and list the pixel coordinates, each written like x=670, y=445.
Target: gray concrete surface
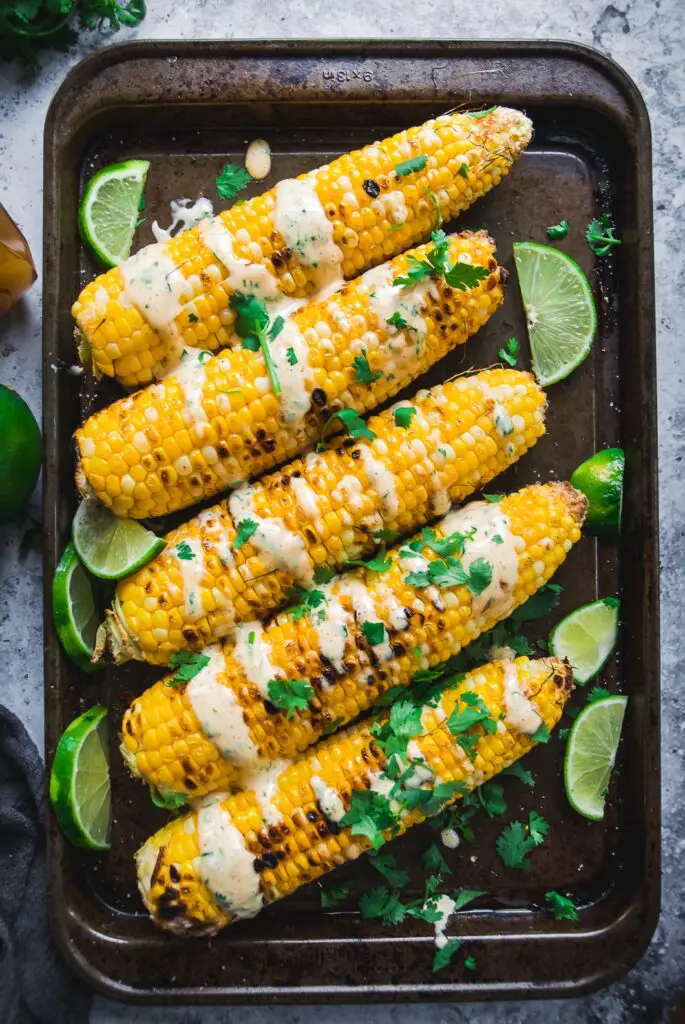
x=648, y=38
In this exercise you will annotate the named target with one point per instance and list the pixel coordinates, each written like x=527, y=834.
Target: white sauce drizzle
x=264, y=784
x=394, y=609
x=488, y=521
x=255, y=658
x=386, y=298
x=219, y=711
x=382, y=481
x=190, y=376
x=154, y=284
x=450, y=838
x=332, y=626
x=305, y=496
x=328, y=799
x=225, y=865
x=295, y=397
x=241, y=275
x=521, y=713
x=258, y=159
x=301, y=220
x=445, y=907
x=281, y=547
x=396, y=206
x=210, y=524
x=185, y=214
x=192, y=572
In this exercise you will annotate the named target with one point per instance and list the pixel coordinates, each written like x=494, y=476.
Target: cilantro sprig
x=519, y=839
x=352, y=422
x=256, y=329
x=290, y=695
x=435, y=264
x=232, y=180
x=509, y=352
x=334, y=895
x=555, y=232
x=600, y=235
x=563, y=908
x=246, y=529
x=404, y=416
x=450, y=572
x=416, y=163
x=363, y=371
x=184, y=551
x=186, y=665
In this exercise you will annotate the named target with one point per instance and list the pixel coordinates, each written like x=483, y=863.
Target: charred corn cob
x=366, y=632
x=325, y=510
x=304, y=234
x=218, y=420
x=235, y=854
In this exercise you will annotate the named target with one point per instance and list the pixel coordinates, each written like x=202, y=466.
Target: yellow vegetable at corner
x=17, y=270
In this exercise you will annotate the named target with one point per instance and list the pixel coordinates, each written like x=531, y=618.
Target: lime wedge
x=74, y=610
x=109, y=210
x=560, y=310
x=600, y=478
x=109, y=547
x=590, y=755
x=79, y=781
x=586, y=638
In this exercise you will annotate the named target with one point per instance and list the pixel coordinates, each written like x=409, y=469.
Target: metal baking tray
x=189, y=107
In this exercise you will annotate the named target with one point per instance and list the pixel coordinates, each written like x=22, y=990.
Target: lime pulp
x=79, y=781
x=591, y=754
x=109, y=547
x=109, y=210
x=587, y=637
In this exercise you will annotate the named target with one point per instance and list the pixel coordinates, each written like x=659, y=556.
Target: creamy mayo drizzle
x=489, y=522
x=190, y=376
x=301, y=219
x=255, y=658
x=349, y=490
x=333, y=625
x=382, y=481
x=450, y=838
x=154, y=284
x=210, y=524
x=394, y=609
x=295, y=396
x=146, y=859
x=395, y=205
x=241, y=275
x=445, y=907
x=521, y=712
x=264, y=784
x=185, y=213
x=225, y=865
x=386, y=299
x=258, y=159
x=328, y=799
x=219, y=711
x=281, y=547
x=305, y=497
x=192, y=573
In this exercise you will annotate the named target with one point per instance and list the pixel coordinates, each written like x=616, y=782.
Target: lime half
x=591, y=753
x=560, y=310
x=587, y=637
x=75, y=610
x=600, y=478
x=109, y=547
x=79, y=781
x=109, y=210
x=20, y=453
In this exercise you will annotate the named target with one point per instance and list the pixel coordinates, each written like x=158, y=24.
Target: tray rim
x=269, y=48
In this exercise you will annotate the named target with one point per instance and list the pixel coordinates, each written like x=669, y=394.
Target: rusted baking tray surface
x=189, y=108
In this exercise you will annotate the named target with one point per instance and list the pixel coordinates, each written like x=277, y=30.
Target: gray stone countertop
x=647, y=37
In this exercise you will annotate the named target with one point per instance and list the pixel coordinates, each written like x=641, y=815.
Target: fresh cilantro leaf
x=290, y=695
x=597, y=693
x=436, y=206
x=513, y=846
x=509, y=352
x=386, y=536
x=333, y=726
x=494, y=499
x=276, y=327
x=374, y=632
x=538, y=827
x=417, y=163
x=379, y=563
x=402, y=724
x=352, y=422
x=463, y=170
x=480, y=575
x=450, y=572
x=252, y=324
x=305, y=601
x=194, y=319
x=491, y=798
x=168, y=801
x=444, y=956
x=404, y=416
x=398, y=321
x=251, y=343
x=469, y=963
x=432, y=800
x=363, y=371
x=600, y=235
x=184, y=551
x=291, y=357
x=386, y=865
x=187, y=665
x=433, y=265
x=541, y=734
x=323, y=574
x=369, y=815
x=232, y=180
x=433, y=861
x=464, y=276
x=477, y=115
x=463, y=719
x=563, y=734
x=519, y=772
x=380, y=902
x=557, y=231
x=462, y=897
x=334, y=895
x=246, y=529
x=562, y=907
x=428, y=911
x=538, y=606
x=453, y=544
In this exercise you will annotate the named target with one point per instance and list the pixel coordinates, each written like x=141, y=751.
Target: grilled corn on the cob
x=325, y=510
x=218, y=421
x=235, y=854
x=367, y=632
x=329, y=224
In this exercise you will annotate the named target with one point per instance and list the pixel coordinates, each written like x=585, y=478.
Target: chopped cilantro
x=251, y=637
x=444, y=956
x=369, y=815
x=386, y=865
x=246, y=529
x=453, y=544
x=562, y=907
x=518, y=840
x=538, y=827
x=398, y=321
x=538, y=606
x=597, y=693
x=509, y=352
x=187, y=665
x=433, y=861
x=436, y=205
x=402, y=725
x=460, y=275
x=291, y=357
x=334, y=895
x=232, y=180
x=374, y=632
x=557, y=231
x=184, y=551
x=351, y=421
x=469, y=963
x=168, y=801
x=494, y=499
x=363, y=371
x=600, y=235
x=541, y=734
x=431, y=801
x=463, y=170
x=323, y=574
x=477, y=115
x=382, y=903
x=463, y=276
x=417, y=163
x=304, y=601
x=290, y=695
x=379, y=563
x=491, y=798
x=193, y=318
x=253, y=326
x=462, y=897
x=404, y=416
x=450, y=572
x=519, y=772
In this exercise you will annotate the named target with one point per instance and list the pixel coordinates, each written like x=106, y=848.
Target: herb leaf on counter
x=232, y=180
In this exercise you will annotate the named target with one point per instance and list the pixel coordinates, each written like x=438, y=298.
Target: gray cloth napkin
x=35, y=987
